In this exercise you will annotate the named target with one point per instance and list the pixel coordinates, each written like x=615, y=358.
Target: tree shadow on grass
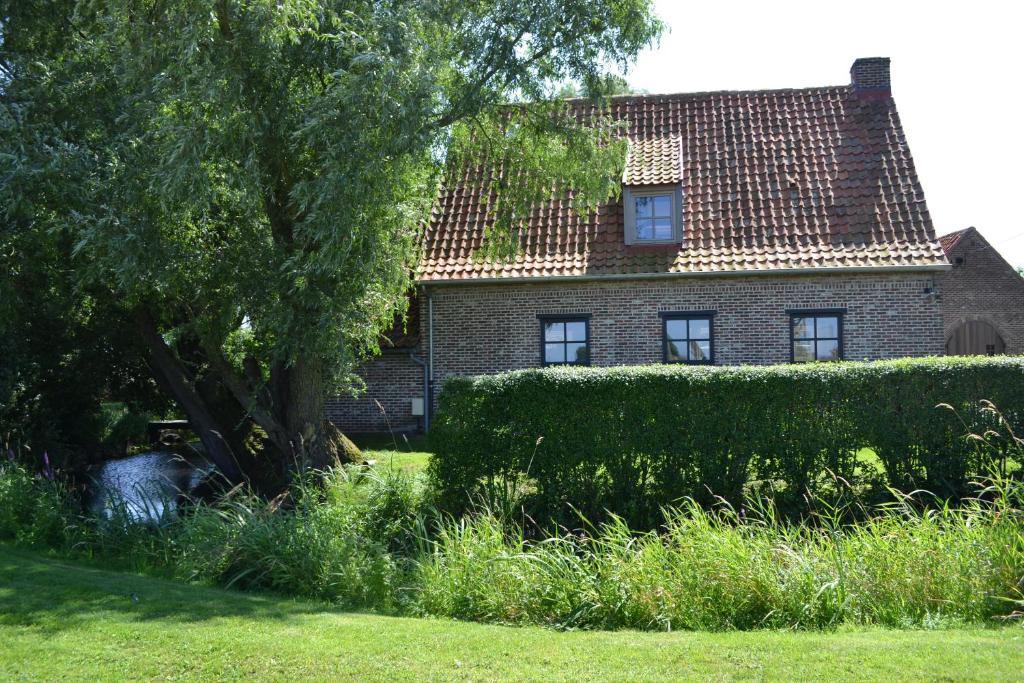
x=52, y=595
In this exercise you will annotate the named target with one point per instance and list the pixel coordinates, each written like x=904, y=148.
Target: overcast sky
x=956, y=78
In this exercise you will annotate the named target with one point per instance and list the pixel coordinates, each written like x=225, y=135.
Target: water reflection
x=147, y=484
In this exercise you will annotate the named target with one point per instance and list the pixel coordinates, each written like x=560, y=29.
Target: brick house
x=982, y=298
x=753, y=227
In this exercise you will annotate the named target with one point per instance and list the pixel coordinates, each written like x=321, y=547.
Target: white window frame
x=629, y=197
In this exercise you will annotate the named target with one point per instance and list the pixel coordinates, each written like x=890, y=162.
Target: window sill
x=655, y=246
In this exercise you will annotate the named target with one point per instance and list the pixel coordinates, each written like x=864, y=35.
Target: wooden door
x=975, y=338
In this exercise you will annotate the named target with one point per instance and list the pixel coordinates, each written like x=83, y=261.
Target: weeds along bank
x=371, y=542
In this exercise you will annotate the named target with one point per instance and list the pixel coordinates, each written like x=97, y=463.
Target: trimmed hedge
x=633, y=439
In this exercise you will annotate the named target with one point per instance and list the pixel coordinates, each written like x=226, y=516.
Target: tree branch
x=224, y=20
x=182, y=385
x=246, y=395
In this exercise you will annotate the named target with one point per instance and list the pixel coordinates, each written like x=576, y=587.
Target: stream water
x=146, y=484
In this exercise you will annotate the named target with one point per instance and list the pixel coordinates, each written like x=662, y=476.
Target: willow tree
x=248, y=179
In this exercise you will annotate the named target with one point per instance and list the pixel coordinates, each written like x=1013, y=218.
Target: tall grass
x=712, y=570
x=34, y=510
x=369, y=541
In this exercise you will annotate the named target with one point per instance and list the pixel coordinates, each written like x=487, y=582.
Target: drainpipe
x=428, y=408
x=427, y=365
x=426, y=388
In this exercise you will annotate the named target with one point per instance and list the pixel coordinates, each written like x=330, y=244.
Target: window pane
x=662, y=205
x=576, y=331
x=828, y=327
x=645, y=228
x=644, y=207
x=576, y=352
x=803, y=351
x=828, y=350
x=803, y=328
x=700, y=328
x=554, y=332
x=676, y=352
x=675, y=329
x=700, y=350
x=662, y=228
x=554, y=353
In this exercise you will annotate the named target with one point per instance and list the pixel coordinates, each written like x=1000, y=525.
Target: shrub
x=337, y=540
x=34, y=510
x=124, y=425
x=632, y=440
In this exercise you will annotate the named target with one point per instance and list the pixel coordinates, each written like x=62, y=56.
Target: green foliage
x=34, y=511
x=347, y=539
x=65, y=351
x=64, y=341
x=251, y=178
x=716, y=570
x=631, y=440
x=365, y=542
x=124, y=426
x=608, y=86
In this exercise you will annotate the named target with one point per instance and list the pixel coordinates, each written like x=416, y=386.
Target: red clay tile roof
x=654, y=161
x=950, y=240
x=772, y=180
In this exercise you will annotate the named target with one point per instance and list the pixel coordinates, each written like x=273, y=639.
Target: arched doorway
x=975, y=338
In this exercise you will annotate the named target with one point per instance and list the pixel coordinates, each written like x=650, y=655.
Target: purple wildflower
x=47, y=468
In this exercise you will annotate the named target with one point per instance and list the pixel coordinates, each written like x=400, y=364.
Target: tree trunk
x=316, y=443
x=181, y=384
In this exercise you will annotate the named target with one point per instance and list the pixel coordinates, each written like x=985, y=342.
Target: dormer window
x=653, y=215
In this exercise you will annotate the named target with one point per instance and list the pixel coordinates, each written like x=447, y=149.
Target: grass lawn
x=410, y=454
x=402, y=452
x=61, y=621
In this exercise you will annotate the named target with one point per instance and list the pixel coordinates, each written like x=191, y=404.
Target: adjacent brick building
x=753, y=227
x=982, y=298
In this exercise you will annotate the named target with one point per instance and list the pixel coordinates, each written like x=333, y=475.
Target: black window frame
x=666, y=316
x=546, y=318
x=838, y=313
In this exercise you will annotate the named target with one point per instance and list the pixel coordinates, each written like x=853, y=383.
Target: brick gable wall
x=392, y=380
x=983, y=287
x=481, y=329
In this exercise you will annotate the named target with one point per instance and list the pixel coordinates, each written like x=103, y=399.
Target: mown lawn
x=60, y=620
x=411, y=454
x=406, y=453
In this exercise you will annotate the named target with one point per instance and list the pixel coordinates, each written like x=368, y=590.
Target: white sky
x=956, y=77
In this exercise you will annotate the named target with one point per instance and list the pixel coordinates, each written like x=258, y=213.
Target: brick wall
x=392, y=379
x=886, y=317
x=481, y=329
x=983, y=287
x=871, y=74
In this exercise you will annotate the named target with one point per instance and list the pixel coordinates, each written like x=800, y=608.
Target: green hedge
x=633, y=439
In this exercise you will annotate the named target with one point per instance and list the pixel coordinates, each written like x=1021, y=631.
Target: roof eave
x=778, y=272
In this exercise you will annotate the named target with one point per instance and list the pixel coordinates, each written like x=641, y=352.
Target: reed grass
x=712, y=570
x=370, y=541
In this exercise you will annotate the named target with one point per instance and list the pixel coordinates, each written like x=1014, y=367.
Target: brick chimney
x=869, y=77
